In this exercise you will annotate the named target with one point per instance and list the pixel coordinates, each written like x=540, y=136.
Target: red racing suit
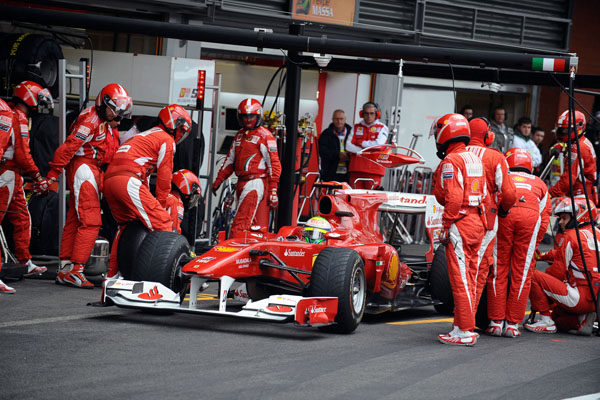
x=17, y=158
x=254, y=159
x=563, y=287
x=126, y=184
x=459, y=184
x=500, y=191
x=175, y=210
x=361, y=137
x=89, y=144
x=8, y=122
x=519, y=234
x=561, y=188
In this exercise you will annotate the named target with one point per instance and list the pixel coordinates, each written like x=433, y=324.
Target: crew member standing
x=588, y=155
x=254, y=159
x=562, y=294
x=28, y=98
x=459, y=186
x=369, y=131
x=90, y=144
x=125, y=182
x=500, y=195
x=519, y=234
x=8, y=121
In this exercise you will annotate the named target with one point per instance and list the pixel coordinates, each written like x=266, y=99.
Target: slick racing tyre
x=158, y=259
x=340, y=273
x=439, y=283
x=129, y=245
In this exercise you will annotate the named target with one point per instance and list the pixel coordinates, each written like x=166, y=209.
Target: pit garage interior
x=415, y=59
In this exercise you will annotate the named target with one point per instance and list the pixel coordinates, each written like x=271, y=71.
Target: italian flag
x=548, y=64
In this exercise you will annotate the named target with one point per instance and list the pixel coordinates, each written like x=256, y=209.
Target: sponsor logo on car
x=243, y=262
x=279, y=309
x=294, y=253
x=315, y=309
x=205, y=259
x=226, y=249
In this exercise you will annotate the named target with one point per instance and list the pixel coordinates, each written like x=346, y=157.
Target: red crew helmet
x=578, y=211
x=115, y=97
x=519, y=160
x=32, y=95
x=250, y=107
x=562, y=126
x=176, y=121
x=188, y=184
x=450, y=128
x=480, y=128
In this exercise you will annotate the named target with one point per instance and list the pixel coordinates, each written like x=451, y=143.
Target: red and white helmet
x=188, y=184
x=562, y=126
x=176, y=121
x=250, y=106
x=480, y=128
x=519, y=160
x=579, y=210
x=33, y=95
x=450, y=128
x=115, y=97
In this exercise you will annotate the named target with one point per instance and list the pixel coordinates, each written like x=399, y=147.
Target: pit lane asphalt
x=53, y=346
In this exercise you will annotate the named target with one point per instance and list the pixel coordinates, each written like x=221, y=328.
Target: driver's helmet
x=315, y=229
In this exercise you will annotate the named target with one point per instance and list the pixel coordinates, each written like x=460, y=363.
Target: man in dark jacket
x=334, y=159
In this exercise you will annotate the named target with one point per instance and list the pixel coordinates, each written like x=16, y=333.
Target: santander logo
x=314, y=310
x=294, y=253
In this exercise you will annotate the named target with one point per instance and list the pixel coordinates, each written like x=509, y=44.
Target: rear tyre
x=129, y=245
x=159, y=258
x=439, y=283
x=340, y=273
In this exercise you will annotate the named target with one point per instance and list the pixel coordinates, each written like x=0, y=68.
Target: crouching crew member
x=185, y=193
x=561, y=294
x=459, y=185
x=126, y=181
x=519, y=234
x=92, y=141
x=254, y=159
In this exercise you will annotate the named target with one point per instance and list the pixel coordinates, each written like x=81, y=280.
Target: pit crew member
x=253, y=158
x=519, y=234
x=28, y=97
x=185, y=193
x=8, y=122
x=126, y=180
x=91, y=143
x=459, y=186
x=369, y=131
x=561, y=294
x=501, y=194
x=588, y=155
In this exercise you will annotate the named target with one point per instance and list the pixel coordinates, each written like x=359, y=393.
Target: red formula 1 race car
x=280, y=276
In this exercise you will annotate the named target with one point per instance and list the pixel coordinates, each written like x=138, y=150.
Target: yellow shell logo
x=475, y=186
x=519, y=179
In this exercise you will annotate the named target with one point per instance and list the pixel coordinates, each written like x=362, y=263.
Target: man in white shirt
x=522, y=139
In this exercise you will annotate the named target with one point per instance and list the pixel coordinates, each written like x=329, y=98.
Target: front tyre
x=339, y=272
x=159, y=259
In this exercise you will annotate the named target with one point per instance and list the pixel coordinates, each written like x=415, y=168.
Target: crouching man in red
x=185, y=193
x=254, y=159
x=561, y=294
x=459, y=186
x=125, y=183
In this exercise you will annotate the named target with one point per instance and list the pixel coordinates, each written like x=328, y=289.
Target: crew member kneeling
x=561, y=294
x=125, y=184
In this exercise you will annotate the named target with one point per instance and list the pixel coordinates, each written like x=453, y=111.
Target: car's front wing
x=144, y=295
